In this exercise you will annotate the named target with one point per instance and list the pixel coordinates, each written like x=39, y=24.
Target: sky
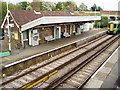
x=105, y=4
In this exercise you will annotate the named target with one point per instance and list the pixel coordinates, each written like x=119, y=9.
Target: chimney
x=71, y=7
x=36, y=5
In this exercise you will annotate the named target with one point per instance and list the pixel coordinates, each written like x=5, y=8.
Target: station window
x=25, y=35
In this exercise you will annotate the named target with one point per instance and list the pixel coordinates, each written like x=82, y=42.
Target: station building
x=25, y=28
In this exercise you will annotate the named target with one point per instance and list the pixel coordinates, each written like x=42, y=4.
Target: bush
x=101, y=23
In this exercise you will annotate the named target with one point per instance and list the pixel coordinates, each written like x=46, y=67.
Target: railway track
x=45, y=72
x=80, y=74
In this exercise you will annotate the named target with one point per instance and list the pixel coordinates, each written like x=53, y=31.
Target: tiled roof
x=110, y=12
x=55, y=13
x=24, y=16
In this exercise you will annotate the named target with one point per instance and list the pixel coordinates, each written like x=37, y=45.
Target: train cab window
x=115, y=25
x=119, y=26
x=108, y=25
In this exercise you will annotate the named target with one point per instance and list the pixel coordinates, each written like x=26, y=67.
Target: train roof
x=115, y=22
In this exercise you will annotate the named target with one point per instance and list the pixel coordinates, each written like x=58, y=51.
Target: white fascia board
x=14, y=20
x=58, y=19
x=6, y=19
x=31, y=24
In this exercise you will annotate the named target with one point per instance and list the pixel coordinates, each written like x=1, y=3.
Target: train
x=113, y=27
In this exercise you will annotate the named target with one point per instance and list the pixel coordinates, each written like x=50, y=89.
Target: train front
x=113, y=27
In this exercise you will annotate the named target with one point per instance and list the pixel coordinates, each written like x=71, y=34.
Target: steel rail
x=66, y=63
x=100, y=64
x=60, y=80
x=86, y=44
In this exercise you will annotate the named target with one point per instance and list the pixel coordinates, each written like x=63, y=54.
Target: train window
x=108, y=25
x=118, y=25
x=115, y=25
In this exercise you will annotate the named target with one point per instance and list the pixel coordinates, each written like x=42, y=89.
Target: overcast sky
x=105, y=4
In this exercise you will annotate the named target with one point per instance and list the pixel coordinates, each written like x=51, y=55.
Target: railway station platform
x=17, y=55
x=108, y=76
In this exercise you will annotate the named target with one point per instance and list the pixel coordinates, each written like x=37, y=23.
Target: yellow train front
x=113, y=27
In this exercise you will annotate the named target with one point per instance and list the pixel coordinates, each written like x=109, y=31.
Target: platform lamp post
x=95, y=11
x=9, y=35
x=95, y=15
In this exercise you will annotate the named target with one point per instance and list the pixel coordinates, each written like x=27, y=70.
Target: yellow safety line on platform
x=26, y=87
x=7, y=58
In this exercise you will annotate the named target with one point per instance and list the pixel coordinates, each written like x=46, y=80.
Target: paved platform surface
x=108, y=76
x=23, y=53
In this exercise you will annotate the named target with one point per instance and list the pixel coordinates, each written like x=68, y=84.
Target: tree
x=23, y=5
x=59, y=6
x=41, y=7
x=83, y=7
x=29, y=6
x=103, y=22
x=70, y=6
x=49, y=6
x=99, y=8
x=3, y=7
x=13, y=6
x=96, y=8
x=66, y=6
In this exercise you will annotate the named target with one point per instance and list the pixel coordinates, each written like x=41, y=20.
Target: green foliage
x=41, y=5
x=83, y=7
x=101, y=23
x=66, y=6
x=96, y=8
x=29, y=8
x=48, y=6
x=23, y=5
x=99, y=8
x=3, y=7
x=13, y=6
x=59, y=6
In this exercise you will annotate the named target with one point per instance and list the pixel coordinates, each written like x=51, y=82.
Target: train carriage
x=113, y=27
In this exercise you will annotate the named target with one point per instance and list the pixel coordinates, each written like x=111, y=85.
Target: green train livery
x=113, y=27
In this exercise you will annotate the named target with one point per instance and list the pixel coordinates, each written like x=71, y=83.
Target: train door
x=118, y=27
x=111, y=27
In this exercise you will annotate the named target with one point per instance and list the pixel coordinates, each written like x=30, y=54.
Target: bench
x=49, y=38
x=66, y=35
